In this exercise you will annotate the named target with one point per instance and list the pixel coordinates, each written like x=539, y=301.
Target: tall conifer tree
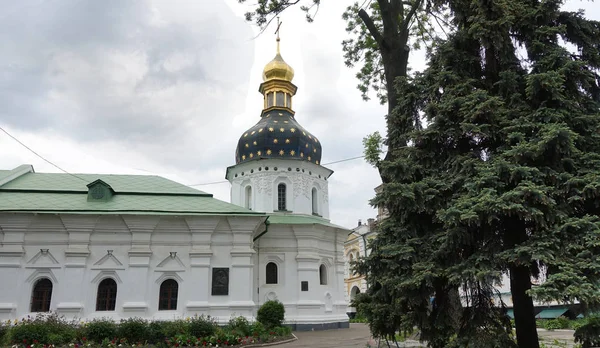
x=504, y=178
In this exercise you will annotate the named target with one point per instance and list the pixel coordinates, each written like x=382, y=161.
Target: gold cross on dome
x=277, y=32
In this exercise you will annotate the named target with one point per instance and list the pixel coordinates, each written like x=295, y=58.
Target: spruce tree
x=502, y=178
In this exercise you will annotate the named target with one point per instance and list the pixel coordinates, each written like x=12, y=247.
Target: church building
x=118, y=246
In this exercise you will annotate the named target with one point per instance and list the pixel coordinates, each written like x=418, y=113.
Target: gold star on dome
x=292, y=152
x=285, y=122
x=281, y=152
x=245, y=135
x=301, y=154
x=287, y=141
x=309, y=137
x=282, y=130
x=309, y=158
x=316, y=141
x=271, y=129
x=252, y=132
x=317, y=162
x=304, y=133
x=275, y=121
x=269, y=152
x=254, y=142
x=260, y=130
x=251, y=155
x=280, y=114
x=275, y=141
x=306, y=145
x=292, y=130
x=247, y=145
x=243, y=157
x=258, y=153
x=315, y=150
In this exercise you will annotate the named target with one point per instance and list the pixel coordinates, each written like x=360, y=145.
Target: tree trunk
x=520, y=283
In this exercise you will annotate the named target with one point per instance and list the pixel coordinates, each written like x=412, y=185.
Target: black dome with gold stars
x=278, y=135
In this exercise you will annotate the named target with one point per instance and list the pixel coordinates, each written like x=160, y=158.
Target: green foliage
x=241, y=325
x=202, y=326
x=133, y=330
x=557, y=324
x=588, y=334
x=46, y=328
x=257, y=329
x=100, y=329
x=271, y=314
x=373, y=148
x=500, y=175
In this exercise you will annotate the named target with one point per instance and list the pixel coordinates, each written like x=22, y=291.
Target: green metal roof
x=283, y=219
x=119, y=183
x=133, y=194
x=551, y=313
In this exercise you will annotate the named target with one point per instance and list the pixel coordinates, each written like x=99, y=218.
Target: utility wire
x=37, y=154
x=324, y=164
x=203, y=184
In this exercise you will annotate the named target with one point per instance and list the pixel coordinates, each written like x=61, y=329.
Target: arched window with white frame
x=272, y=273
x=41, y=296
x=106, y=297
x=323, y=275
x=281, y=197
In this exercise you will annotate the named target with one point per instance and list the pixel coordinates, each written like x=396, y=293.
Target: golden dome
x=278, y=69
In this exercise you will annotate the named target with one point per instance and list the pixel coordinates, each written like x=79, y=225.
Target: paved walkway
x=358, y=336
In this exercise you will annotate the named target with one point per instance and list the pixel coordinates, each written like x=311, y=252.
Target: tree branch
x=416, y=5
x=372, y=28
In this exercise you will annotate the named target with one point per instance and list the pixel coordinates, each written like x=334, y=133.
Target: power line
x=324, y=164
x=37, y=154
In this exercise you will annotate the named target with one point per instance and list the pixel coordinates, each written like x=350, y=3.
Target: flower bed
x=50, y=330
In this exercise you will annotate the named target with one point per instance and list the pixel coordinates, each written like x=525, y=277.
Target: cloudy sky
x=167, y=87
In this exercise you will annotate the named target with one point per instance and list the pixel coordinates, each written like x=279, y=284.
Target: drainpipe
x=258, y=257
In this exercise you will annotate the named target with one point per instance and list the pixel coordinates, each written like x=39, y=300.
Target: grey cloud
x=126, y=70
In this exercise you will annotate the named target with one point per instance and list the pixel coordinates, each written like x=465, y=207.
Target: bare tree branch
x=416, y=5
x=372, y=28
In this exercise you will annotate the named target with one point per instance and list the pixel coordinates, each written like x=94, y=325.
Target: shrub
x=4, y=330
x=257, y=329
x=241, y=325
x=556, y=324
x=43, y=328
x=133, y=330
x=98, y=330
x=202, y=326
x=271, y=314
x=588, y=334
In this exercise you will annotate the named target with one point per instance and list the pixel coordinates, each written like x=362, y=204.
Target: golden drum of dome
x=278, y=69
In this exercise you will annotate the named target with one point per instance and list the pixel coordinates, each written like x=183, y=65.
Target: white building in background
x=120, y=246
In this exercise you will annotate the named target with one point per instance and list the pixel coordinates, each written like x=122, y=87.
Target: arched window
x=271, y=273
x=168, y=295
x=107, y=295
x=249, y=197
x=323, y=274
x=41, y=295
x=281, y=197
x=315, y=204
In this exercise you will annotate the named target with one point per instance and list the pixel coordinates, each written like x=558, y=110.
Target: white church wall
x=263, y=176
x=76, y=254
x=299, y=251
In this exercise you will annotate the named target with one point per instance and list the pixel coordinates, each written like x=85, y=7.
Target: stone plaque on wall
x=220, y=281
